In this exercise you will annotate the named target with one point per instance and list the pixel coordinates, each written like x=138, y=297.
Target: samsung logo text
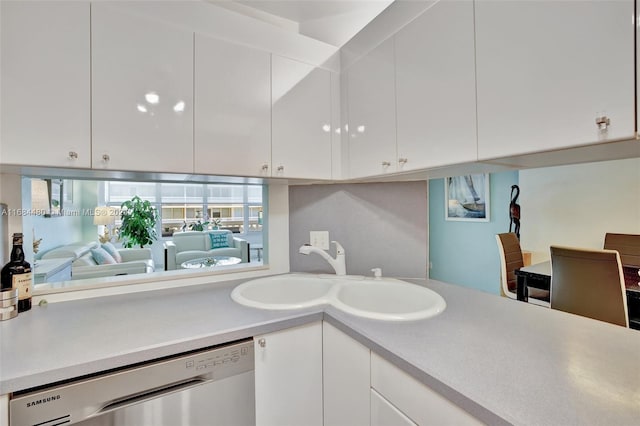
x=43, y=401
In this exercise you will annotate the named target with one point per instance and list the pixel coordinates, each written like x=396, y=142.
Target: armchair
x=191, y=245
x=628, y=245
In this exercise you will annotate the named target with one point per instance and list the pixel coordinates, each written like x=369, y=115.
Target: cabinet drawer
x=383, y=413
x=420, y=403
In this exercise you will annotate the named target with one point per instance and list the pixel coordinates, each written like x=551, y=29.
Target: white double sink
x=376, y=298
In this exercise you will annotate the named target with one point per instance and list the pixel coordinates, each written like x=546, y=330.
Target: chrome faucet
x=338, y=264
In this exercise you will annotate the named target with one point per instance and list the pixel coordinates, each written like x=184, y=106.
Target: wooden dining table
x=538, y=275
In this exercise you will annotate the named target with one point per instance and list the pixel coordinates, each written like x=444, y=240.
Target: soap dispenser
x=377, y=273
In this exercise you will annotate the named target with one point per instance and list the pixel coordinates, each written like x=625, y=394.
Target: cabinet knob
x=73, y=155
x=402, y=161
x=280, y=168
x=603, y=122
x=265, y=167
x=262, y=342
x=106, y=158
x=386, y=164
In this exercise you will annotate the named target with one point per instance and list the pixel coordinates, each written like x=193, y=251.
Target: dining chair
x=511, y=259
x=628, y=245
x=589, y=283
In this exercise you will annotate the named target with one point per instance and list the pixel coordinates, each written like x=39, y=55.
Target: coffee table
x=210, y=261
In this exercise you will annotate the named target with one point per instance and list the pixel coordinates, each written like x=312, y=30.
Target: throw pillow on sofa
x=102, y=257
x=219, y=240
x=113, y=251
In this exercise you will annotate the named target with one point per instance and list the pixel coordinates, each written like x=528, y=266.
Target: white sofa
x=190, y=245
x=134, y=261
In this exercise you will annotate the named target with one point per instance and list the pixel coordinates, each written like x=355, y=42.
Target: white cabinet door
x=547, y=69
x=45, y=84
x=346, y=374
x=4, y=410
x=142, y=92
x=232, y=109
x=301, y=143
x=372, y=113
x=289, y=376
x=417, y=401
x=435, y=84
x=383, y=413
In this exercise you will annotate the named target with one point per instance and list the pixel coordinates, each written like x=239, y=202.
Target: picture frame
x=467, y=198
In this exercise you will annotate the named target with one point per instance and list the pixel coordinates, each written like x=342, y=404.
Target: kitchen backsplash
x=379, y=224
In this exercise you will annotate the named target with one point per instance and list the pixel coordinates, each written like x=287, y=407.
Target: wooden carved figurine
x=514, y=211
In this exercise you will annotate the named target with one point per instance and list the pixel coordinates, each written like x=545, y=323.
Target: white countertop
x=502, y=360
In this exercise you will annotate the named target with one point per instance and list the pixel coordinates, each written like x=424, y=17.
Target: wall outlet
x=430, y=265
x=319, y=239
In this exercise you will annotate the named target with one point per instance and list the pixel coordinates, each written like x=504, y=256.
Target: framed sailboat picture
x=467, y=197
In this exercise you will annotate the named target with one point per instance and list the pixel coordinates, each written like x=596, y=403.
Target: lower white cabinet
x=346, y=374
x=383, y=413
x=362, y=388
x=415, y=400
x=4, y=410
x=288, y=372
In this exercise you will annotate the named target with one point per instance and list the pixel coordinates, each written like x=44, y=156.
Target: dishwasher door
x=228, y=402
x=210, y=387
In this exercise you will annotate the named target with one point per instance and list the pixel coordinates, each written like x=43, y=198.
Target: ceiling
x=331, y=21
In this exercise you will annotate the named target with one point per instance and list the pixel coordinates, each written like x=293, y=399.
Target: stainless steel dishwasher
x=209, y=387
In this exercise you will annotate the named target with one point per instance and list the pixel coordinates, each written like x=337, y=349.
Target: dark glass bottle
x=17, y=274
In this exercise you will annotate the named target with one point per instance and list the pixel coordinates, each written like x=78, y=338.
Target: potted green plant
x=198, y=226
x=139, y=219
x=201, y=226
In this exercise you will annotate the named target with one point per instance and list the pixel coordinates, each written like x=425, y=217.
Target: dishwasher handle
x=151, y=394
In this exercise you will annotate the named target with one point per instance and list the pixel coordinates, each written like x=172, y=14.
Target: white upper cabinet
x=372, y=113
x=546, y=70
x=435, y=87
x=232, y=109
x=45, y=83
x=142, y=94
x=302, y=125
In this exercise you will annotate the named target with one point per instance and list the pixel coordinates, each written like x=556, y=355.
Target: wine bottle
x=17, y=274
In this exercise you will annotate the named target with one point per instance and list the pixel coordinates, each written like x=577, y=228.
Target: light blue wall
x=465, y=253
